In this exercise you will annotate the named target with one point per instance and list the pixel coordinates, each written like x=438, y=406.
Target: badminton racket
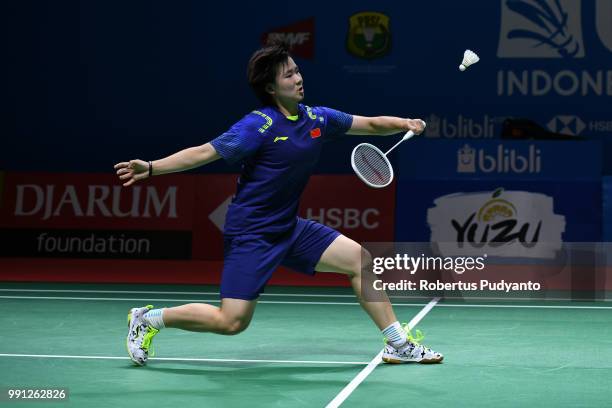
x=372, y=166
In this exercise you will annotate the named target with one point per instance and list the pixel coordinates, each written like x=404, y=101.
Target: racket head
x=371, y=165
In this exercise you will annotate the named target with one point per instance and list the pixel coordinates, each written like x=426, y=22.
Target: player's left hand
x=132, y=171
x=416, y=125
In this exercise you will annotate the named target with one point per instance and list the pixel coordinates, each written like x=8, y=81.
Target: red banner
x=346, y=204
x=213, y=194
x=342, y=202
x=90, y=222
x=96, y=201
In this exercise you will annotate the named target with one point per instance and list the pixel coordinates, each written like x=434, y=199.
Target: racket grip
x=408, y=135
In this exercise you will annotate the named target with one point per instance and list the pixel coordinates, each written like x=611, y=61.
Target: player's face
x=289, y=85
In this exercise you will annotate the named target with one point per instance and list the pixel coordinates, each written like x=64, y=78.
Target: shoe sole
x=390, y=360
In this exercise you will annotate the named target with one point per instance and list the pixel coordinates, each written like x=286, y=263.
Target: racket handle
x=408, y=135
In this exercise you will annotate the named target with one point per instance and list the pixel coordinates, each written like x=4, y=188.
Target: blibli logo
x=503, y=161
x=459, y=127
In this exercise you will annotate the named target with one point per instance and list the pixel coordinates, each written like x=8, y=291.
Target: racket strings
x=372, y=165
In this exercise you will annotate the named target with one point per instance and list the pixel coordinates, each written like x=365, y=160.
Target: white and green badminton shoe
x=411, y=352
x=139, y=336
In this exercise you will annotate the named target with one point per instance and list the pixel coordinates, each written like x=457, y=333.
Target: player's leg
x=346, y=256
x=248, y=265
x=232, y=317
x=317, y=247
x=144, y=323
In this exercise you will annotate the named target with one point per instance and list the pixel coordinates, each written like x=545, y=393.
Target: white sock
x=155, y=318
x=395, y=334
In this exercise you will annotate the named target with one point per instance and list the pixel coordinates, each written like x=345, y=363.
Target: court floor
x=306, y=347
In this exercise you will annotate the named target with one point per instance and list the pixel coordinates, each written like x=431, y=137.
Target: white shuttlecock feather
x=469, y=58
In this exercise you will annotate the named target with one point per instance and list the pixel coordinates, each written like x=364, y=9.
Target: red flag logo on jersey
x=314, y=133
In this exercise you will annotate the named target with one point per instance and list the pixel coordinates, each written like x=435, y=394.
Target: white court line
x=177, y=300
x=346, y=391
x=208, y=360
x=527, y=306
x=153, y=292
x=161, y=292
x=280, y=302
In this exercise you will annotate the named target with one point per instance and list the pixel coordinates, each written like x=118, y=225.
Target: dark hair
x=263, y=67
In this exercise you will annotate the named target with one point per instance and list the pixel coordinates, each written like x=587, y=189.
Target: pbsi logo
x=369, y=35
x=541, y=29
x=503, y=161
x=300, y=36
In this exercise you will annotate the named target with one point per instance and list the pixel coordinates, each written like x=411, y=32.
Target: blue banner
x=87, y=93
x=499, y=160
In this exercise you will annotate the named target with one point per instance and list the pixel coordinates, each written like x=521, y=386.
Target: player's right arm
x=136, y=170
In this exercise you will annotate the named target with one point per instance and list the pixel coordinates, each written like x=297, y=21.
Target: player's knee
x=235, y=326
x=366, y=260
x=362, y=260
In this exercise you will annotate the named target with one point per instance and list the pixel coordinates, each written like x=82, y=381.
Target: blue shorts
x=250, y=260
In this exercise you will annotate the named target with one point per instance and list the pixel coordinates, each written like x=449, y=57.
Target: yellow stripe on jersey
x=267, y=118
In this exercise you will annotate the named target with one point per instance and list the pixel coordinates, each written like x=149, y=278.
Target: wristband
x=150, y=169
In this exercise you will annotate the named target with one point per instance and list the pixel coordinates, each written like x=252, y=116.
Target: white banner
x=503, y=223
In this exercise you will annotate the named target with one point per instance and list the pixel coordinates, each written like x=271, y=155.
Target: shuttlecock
x=469, y=58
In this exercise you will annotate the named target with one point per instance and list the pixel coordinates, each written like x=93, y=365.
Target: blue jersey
x=278, y=155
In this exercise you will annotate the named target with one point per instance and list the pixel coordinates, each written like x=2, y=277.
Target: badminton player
x=278, y=146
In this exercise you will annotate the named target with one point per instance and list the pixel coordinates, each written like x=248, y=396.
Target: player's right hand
x=132, y=171
x=416, y=125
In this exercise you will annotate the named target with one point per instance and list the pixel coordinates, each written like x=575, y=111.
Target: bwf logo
x=300, y=36
x=541, y=29
x=549, y=28
x=504, y=160
x=552, y=29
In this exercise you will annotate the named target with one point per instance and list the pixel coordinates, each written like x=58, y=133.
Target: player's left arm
x=384, y=125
